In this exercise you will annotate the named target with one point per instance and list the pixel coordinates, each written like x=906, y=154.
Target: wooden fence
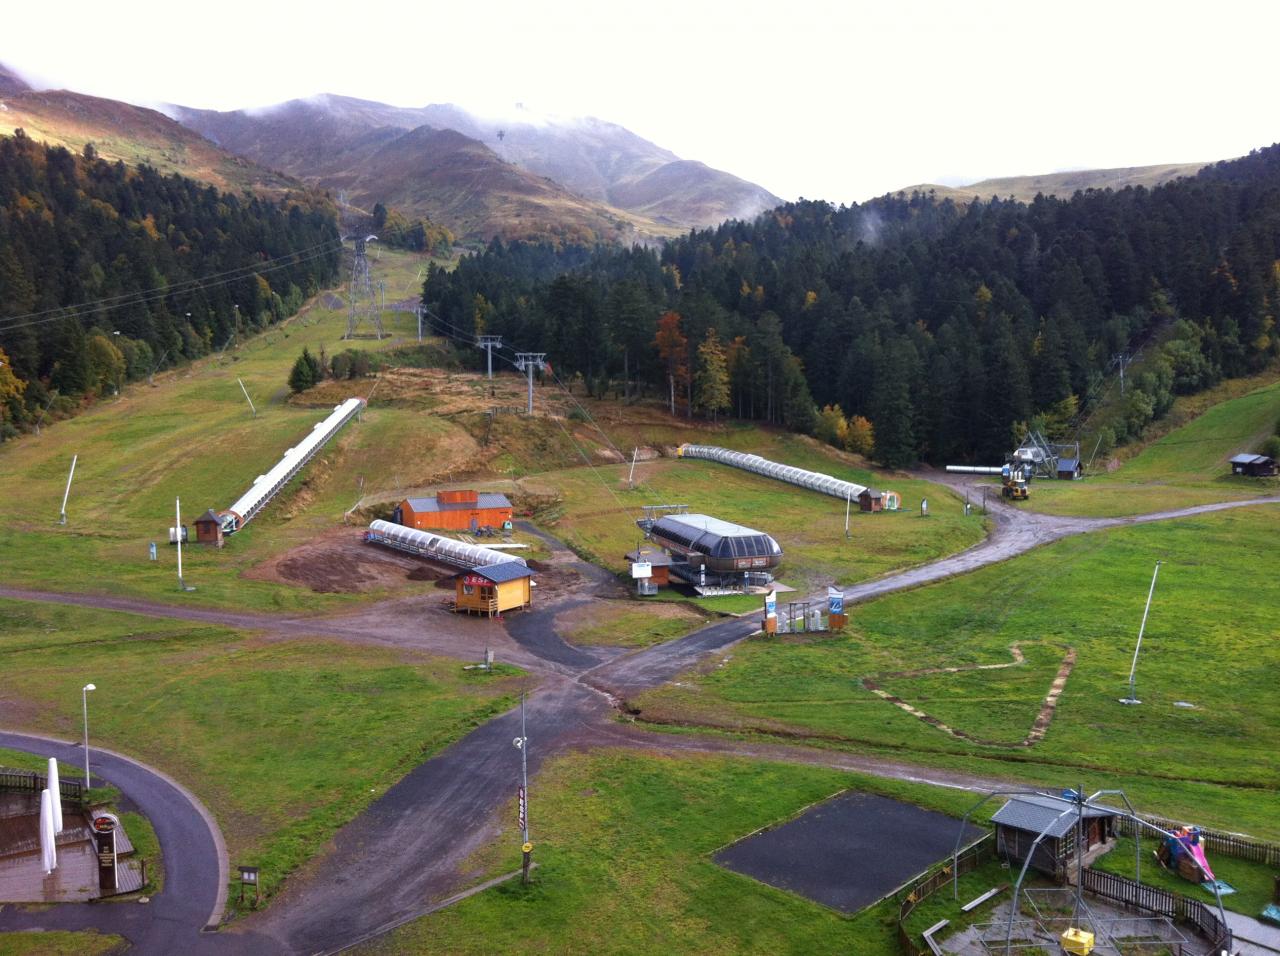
x=29, y=781
x=1127, y=892
x=969, y=859
x=1228, y=844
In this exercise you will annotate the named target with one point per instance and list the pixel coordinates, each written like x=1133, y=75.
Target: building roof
x=504, y=572
x=483, y=500
x=871, y=493
x=209, y=516
x=713, y=537
x=1068, y=464
x=1249, y=459
x=658, y=559
x=1036, y=813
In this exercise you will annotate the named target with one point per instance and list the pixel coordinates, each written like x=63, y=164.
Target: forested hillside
x=108, y=273
x=945, y=325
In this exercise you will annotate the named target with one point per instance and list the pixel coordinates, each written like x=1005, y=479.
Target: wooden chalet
x=1023, y=818
x=459, y=510
x=209, y=529
x=1253, y=466
x=494, y=589
x=871, y=500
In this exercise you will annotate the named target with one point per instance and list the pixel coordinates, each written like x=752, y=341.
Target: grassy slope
x=192, y=437
x=1205, y=643
x=1186, y=466
x=284, y=741
x=599, y=511
x=623, y=845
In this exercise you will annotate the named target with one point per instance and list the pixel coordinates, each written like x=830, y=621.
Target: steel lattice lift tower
x=362, y=302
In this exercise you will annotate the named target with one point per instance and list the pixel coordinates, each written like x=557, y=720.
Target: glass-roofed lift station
x=707, y=550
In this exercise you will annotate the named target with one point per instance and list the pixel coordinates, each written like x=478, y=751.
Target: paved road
x=406, y=850
x=195, y=860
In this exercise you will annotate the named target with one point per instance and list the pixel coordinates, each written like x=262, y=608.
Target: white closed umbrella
x=48, y=846
x=55, y=791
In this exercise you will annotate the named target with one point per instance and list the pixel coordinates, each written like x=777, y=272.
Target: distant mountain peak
x=11, y=83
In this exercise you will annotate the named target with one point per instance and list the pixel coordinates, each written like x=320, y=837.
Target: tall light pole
x=522, y=744
x=84, y=697
x=1133, y=669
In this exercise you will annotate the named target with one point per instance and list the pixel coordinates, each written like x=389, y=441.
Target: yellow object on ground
x=1077, y=941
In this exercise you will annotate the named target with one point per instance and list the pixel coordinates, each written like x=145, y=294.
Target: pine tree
x=303, y=375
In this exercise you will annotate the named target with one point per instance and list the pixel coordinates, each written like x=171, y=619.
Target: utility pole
x=1122, y=360
x=65, y=494
x=848, y=500
x=489, y=343
x=419, y=311
x=526, y=848
x=527, y=362
x=1133, y=669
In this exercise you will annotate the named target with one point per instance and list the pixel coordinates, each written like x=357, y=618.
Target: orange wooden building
x=461, y=510
x=494, y=588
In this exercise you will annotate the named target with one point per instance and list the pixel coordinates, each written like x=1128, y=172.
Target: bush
x=1270, y=447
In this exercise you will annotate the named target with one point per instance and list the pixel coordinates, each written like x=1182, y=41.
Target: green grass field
x=1206, y=644
x=600, y=523
x=283, y=740
x=1254, y=883
x=1185, y=466
x=61, y=944
x=623, y=842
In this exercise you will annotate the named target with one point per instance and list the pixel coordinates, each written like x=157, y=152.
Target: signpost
x=104, y=838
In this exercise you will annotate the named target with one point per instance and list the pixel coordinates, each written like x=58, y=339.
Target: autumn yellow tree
x=712, y=382
x=832, y=427
x=860, y=437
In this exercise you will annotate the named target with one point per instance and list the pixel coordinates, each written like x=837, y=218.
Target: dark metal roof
x=871, y=493
x=209, y=516
x=1068, y=464
x=504, y=572
x=483, y=500
x=1035, y=813
x=715, y=538
x=1249, y=460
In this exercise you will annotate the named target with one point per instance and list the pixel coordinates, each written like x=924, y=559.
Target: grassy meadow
x=58, y=943
x=1206, y=644
x=284, y=741
x=597, y=514
x=624, y=842
x=1187, y=465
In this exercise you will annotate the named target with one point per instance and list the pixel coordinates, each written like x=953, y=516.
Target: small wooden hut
x=1253, y=466
x=871, y=500
x=1023, y=818
x=493, y=589
x=209, y=529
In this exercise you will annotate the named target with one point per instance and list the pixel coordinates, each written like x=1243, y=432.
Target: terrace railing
x=31, y=781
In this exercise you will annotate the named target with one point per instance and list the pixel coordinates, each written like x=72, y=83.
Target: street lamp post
x=84, y=696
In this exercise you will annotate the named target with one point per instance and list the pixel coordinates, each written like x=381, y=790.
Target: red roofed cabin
x=460, y=510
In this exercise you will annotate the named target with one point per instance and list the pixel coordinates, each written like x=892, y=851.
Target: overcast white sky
x=841, y=101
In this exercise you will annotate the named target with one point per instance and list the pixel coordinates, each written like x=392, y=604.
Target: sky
x=836, y=101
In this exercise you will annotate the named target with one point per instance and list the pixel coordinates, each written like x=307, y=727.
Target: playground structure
x=1182, y=851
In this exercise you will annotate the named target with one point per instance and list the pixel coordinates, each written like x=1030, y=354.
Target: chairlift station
x=710, y=553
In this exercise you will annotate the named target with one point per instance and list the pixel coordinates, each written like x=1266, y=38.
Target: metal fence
x=1228, y=844
x=1121, y=889
x=29, y=781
